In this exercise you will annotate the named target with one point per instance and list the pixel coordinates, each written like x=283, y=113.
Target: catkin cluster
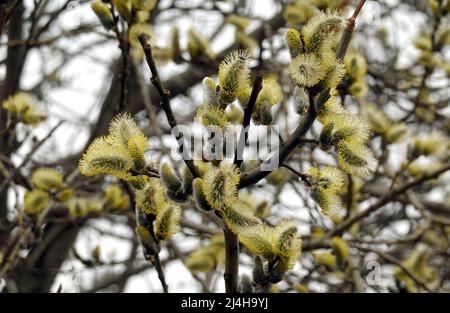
x=22, y=108
x=314, y=68
x=121, y=154
x=135, y=15
x=48, y=185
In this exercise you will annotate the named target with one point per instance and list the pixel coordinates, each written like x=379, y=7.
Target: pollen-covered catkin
x=136, y=148
x=239, y=216
x=120, y=153
x=220, y=186
x=212, y=116
x=294, y=42
x=321, y=30
x=355, y=159
x=307, y=70
x=150, y=199
x=170, y=180
x=47, y=179
x=233, y=75
x=199, y=196
x=36, y=201
x=341, y=249
x=105, y=157
x=167, y=222
x=22, y=108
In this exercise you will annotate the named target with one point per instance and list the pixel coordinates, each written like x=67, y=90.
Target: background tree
x=363, y=178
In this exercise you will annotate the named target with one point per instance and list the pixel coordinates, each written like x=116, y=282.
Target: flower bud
x=103, y=12
x=124, y=9
x=199, y=196
x=246, y=284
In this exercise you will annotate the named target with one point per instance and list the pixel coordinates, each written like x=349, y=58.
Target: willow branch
x=28, y=157
x=243, y=138
x=231, y=260
x=165, y=100
x=388, y=197
x=397, y=262
x=295, y=139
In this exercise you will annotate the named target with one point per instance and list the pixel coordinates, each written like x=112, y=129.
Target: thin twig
x=395, y=261
x=29, y=156
x=303, y=177
x=154, y=258
x=243, y=138
x=165, y=100
x=386, y=199
x=125, y=49
x=231, y=275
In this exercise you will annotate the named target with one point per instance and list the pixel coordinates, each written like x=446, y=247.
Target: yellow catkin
x=306, y=70
x=239, y=216
x=167, y=222
x=47, y=179
x=220, y=186
x=294, y=42
x=136, y=148
x=341, y=248
x=212, y=116
x=104, y=14
x=105, y=157
x=35, y=201
x=151, y=199
x=124, y=9
x=322, y=29
x=233, y=74
x=325, y=258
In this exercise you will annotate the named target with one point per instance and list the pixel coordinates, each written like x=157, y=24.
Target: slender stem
x=243, y=138
x=159, y=270
x=358, y=9
x=397, y=262
x=231, y=260
x=2, y=16
x=154, y=258
x=386, y=199
x=231, y=275
x=165, y=101
x=28, y=157
x=303, y=177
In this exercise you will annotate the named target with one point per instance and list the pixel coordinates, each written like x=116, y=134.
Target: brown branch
x=231, y=275
x=124, y=47
x=2, y=16
x=165, y=100
x=303, y=177
x=388, y=197
x=231, y=260
x=243, y=138
x=28, y=157
x=395, y=261
x=153, y=256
